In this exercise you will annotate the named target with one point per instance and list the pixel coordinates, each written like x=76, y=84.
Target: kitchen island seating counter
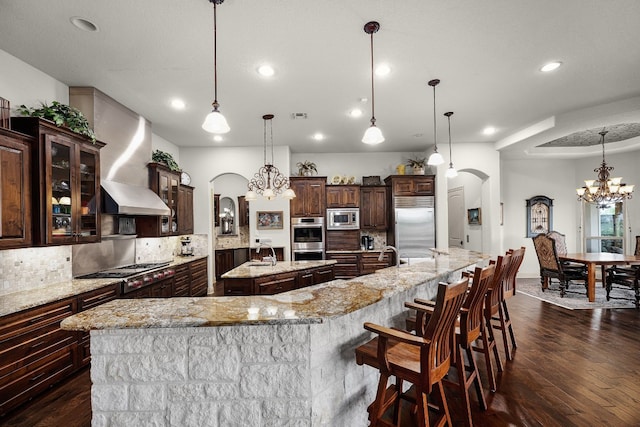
x=251, y=269
x=285, y=359
x=14, y=302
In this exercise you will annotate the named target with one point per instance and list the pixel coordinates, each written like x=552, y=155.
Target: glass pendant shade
x=215, y=123
x=250, y=196
x=373, y=135
x=451, y=172
x=435, y=159
x=288, y=194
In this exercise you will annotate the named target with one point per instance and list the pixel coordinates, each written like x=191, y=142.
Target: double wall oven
x=307, y=239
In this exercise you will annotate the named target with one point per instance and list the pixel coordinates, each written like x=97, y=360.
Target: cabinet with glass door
x=166, y=184
x=67, y=166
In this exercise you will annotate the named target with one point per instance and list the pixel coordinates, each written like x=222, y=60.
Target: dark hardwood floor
x=571, y=368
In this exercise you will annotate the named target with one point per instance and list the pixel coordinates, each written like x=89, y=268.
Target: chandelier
x=215, y=121
x=604, y=191
x=268, y=181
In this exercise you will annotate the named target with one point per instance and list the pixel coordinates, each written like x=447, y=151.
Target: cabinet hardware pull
x=38, y=344
x=37, y=377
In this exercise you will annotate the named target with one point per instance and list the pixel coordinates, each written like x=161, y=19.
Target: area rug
x=575, y=297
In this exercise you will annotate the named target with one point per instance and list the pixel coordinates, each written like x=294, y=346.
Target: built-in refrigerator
x=415, y=231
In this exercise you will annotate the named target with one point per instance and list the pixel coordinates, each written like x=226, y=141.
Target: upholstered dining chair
x=561, y=248
x=420, y=360
x=625, y=277
x=551, y=267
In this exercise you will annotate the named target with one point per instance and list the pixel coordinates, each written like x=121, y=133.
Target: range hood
x=127, y=199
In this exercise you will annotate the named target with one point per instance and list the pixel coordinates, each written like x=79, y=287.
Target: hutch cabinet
x=66, y=170
x=310, y=196
x=373, y=204
x=411, y=185
x=15, y=189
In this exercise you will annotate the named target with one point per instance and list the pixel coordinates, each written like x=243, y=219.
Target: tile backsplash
x=32, y=268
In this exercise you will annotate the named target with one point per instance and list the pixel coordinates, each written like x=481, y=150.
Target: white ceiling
x=486, y=53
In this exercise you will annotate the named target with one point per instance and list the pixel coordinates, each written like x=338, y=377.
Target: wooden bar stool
x=503, y=321
x=421, y=360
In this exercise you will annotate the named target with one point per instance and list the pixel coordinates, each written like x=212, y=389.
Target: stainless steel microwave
x=343, y=219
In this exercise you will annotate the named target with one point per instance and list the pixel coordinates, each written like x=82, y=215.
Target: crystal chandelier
x=268, y=181
x=604, y=191
x=215, y=121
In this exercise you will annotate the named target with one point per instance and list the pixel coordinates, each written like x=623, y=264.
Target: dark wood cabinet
x=185, y=209
x=181, y=281
x=369, y=262
x=34, y=352
x=66, y=170
x=243, y=212
x=266, y=252
x=411, y=185
x=343, y=196
x=15, y=189
x=86, y=301
x=276, y=283
x=199, y=278
x=224, y=262
x=310, y=196
x=342, y=240
x=216, y=210
x=348, y=265
x=373, y=208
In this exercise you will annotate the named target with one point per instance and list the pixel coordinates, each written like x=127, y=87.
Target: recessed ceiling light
x=363, y=99
x=356, y=112
x=178, y=104
x=489, y=130
x=217, y=138
x=383, y=70
x=550, y=66
x=83, y=24
x=318, y=136
x=266, y=70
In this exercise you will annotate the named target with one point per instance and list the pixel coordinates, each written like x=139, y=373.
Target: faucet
x=393, y=249
x=273, y=252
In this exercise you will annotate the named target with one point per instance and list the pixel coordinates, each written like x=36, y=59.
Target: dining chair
x=625, y=277
x=551, y=267
x=422, y=361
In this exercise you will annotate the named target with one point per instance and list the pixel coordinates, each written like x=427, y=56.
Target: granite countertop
x=307, y=305
x=253, y=269
x=17, y=301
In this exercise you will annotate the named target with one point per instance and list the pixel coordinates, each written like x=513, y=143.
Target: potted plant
x=61, y=115
x=417, y=164
x=166, y=159
x=306, y=168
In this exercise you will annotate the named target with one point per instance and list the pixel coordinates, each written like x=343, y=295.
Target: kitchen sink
x=259, y=264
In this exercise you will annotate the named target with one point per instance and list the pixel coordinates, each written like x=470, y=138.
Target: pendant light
x=435, y=158
x=215, y=121
x=373, y=135
x=268, y=181
x=451, y=172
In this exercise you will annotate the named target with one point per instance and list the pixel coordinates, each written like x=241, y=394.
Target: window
x=604, y=228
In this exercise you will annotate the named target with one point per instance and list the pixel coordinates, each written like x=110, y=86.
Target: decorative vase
x=307, y=172
x=418, y=171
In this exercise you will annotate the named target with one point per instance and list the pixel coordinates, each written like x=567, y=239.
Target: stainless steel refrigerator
x=415, y=231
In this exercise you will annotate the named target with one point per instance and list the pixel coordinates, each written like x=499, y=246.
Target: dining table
x=594, y=259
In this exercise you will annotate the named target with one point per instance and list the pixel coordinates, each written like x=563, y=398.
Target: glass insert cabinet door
x=59, y=190
x=539, y=215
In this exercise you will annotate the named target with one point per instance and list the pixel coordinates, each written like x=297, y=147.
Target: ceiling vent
x=298, y=116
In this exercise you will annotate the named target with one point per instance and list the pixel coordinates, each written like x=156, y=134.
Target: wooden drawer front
x=347, y=266
x=199, y=285
x=162, y=289
x=276, y=284
x=182, y=278
x=99, y=296
x=21, y=386
x=305, y=278
x=323, y=274
x=234, y=287
x=34, y=347
x=343, y=240
x=139, y=293
x=29, y=323
x=199, y=265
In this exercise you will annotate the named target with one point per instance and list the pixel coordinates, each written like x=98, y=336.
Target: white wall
x=159, y=143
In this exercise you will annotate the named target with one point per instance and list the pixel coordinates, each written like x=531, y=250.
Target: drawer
x=238, y=287
x=305, y=278
x=323, y=275
x=270, y=285
x=99, y=296
x=181, y=288
x=36, y=347
x=24, y=384
x=25, y=325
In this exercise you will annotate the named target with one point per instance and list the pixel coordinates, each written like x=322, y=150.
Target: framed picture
x=474, y=217
x=269, y=220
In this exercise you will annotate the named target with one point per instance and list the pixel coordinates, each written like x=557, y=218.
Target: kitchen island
x=285, y=359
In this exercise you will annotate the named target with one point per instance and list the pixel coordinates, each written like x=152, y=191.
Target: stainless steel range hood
x=126, y=199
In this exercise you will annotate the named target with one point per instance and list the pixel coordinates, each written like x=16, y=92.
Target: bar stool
x=421, y=360
x=503, y=321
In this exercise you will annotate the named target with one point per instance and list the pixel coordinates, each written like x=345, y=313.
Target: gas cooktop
x=124, y=271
